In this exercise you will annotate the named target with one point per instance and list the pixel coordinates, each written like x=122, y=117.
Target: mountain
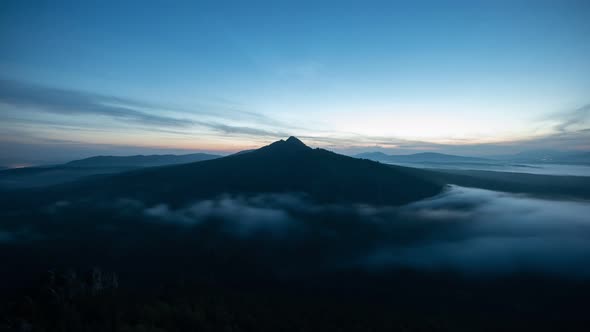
x=140, y=160
x=30, y=177
x=548, y=157
x=424, y=157
x=376, y=156
x=244, y=151
x=281, y=167
x=578, y=157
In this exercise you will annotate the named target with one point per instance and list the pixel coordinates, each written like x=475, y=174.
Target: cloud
x=243, y=214
x=496, y=233
x=69, y=102
x=576, y=117
x=568, y=130
x=242, y=130
x=472, y=231
x=571, y=130
x=300, y=70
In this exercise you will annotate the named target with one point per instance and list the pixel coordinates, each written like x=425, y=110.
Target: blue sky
x=475, y=77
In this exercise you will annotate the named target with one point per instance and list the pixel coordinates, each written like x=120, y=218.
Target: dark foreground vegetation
x=393, y=301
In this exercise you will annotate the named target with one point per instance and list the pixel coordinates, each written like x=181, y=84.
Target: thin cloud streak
x=576, y=117
x=69, y=102
x=238, y=130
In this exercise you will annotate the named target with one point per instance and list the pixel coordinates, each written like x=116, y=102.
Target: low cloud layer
x=494, y=233
x=243, y=214
x=469, y=231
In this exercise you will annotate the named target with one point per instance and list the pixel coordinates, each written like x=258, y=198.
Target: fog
x=473, y=232
x=244, y=214
x=496, y=232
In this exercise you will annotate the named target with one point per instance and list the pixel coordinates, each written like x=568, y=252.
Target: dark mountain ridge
x=281, y=167
x=548, y=157
x=41, y=176
x=422, y=157
x=140, y=160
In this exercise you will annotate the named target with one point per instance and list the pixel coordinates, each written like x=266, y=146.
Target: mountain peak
x=295, y=140
x=291, y=144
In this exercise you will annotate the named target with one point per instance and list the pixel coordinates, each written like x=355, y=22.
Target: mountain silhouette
x=423, y=157
x=548, y=157
x=140, y=160
x=285, y=166
x=31, y=177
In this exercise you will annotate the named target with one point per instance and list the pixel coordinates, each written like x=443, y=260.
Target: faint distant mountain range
x=49, y=175
x=140, y=160
x=424, y=157
x=527, y=157
x=547, y=156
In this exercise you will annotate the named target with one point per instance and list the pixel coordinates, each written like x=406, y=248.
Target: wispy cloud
x=78, y=103
x=239, y=130
x=467, y=230
x=299, y=70
x=70, y=102
x=567, y=120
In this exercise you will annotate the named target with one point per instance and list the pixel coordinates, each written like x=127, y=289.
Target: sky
x=84, y=78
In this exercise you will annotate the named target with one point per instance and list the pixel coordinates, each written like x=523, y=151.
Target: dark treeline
x=397, y=300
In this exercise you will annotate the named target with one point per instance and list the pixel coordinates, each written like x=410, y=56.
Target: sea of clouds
x=469, y=230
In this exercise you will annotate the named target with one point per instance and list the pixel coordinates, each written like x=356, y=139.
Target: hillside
x=281, y=167
x=31, y=177
x=140, y=160
x=423, y=157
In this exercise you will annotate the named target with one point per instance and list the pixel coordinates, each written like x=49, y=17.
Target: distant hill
x=140, y=160
x=424, y=157
x=376, y=156
x=244, y=151
x=525, y=157
x=281, y=167
x=29, y=177
x=552, y=186
x=547, y=157
x=578, y=157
